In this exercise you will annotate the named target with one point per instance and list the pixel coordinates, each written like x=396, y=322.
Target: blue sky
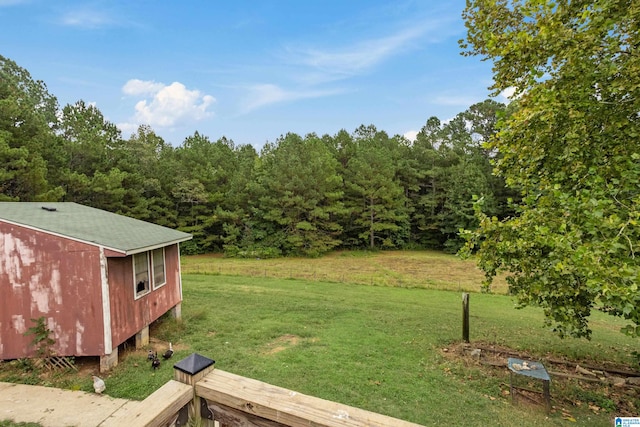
x=250, y=70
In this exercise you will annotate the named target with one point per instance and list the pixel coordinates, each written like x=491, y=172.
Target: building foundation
x=109, y=361
x=142, y=338
x=176, y=312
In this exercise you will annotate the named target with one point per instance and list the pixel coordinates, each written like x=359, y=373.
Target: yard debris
x=524, y=366
x=619, y=384
x=594, y=408
x=634, y=381
x=618, y=381
x=583, y=371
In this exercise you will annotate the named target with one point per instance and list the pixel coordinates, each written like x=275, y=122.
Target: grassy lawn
x=413, y=269
x=388, y=349
x=379, y=348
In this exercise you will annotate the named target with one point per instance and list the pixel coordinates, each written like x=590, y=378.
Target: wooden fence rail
x=161, y=408
x=214, y=398
x=252, y=402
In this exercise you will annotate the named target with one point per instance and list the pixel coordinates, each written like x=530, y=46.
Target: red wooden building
x=97, y=278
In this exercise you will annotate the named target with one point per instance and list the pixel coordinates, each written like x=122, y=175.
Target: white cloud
x=310, y=69
x=347, y=61
x=128, y=128
x=93, y=16
x=86, y=18
x=265, y=94
x=141, y=87
x=508, y=94
x=411, y=135
x=166, y=106
x=320, y=66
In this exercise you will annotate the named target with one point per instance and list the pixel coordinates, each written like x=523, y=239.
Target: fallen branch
x=575, y=377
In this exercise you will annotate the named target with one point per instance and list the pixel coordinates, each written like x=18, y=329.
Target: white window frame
x=153, y=253
x=137, y=279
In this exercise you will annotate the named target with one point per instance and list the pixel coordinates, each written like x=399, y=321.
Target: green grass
x=375, y=347
x=408, y=269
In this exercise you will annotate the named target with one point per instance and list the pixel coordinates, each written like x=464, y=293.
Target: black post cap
x=193, y=364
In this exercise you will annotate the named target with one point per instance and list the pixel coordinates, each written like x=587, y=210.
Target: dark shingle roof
x=91, y=225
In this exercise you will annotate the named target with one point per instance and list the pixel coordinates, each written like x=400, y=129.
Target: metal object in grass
x=530, y=369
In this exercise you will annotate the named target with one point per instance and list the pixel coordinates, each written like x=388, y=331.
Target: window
x=141, y=273
x=159, y=277
x=149, y=270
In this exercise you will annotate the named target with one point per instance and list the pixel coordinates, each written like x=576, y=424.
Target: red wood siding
x=54, y=277
x=130, y=315
x=60, y=279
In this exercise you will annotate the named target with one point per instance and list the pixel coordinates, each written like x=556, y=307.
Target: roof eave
x=123, y=251
x=152, y=247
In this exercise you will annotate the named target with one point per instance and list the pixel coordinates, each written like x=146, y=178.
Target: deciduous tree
x=572, y=148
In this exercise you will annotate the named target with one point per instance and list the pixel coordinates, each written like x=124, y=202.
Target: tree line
x=299, y=195
x=560, y=216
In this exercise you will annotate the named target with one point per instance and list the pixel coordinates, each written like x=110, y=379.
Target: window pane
x=158, y=268
x=141, y=272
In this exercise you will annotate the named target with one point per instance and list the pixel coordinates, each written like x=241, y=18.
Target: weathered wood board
x=159, y=409
x=285, y=406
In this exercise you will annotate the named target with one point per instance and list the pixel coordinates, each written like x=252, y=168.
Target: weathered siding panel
x=169, y=295
x=54, y=277
x=130, y=315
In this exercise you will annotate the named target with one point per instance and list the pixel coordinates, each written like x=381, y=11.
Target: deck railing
x=200, y=395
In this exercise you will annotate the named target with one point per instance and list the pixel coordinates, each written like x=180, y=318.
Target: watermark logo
x=627, y=421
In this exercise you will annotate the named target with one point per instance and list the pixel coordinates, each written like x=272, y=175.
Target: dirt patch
x=281, y=343
x=32, y=371
x=574, y=383
x=87, y=366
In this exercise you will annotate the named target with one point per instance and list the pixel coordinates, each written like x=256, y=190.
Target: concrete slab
x=53, y=407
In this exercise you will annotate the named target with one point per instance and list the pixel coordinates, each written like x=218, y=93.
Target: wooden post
x=547, y=395
x=465, y=317
x=189, y=371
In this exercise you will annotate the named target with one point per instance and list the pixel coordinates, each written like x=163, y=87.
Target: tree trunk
x=371, y=232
